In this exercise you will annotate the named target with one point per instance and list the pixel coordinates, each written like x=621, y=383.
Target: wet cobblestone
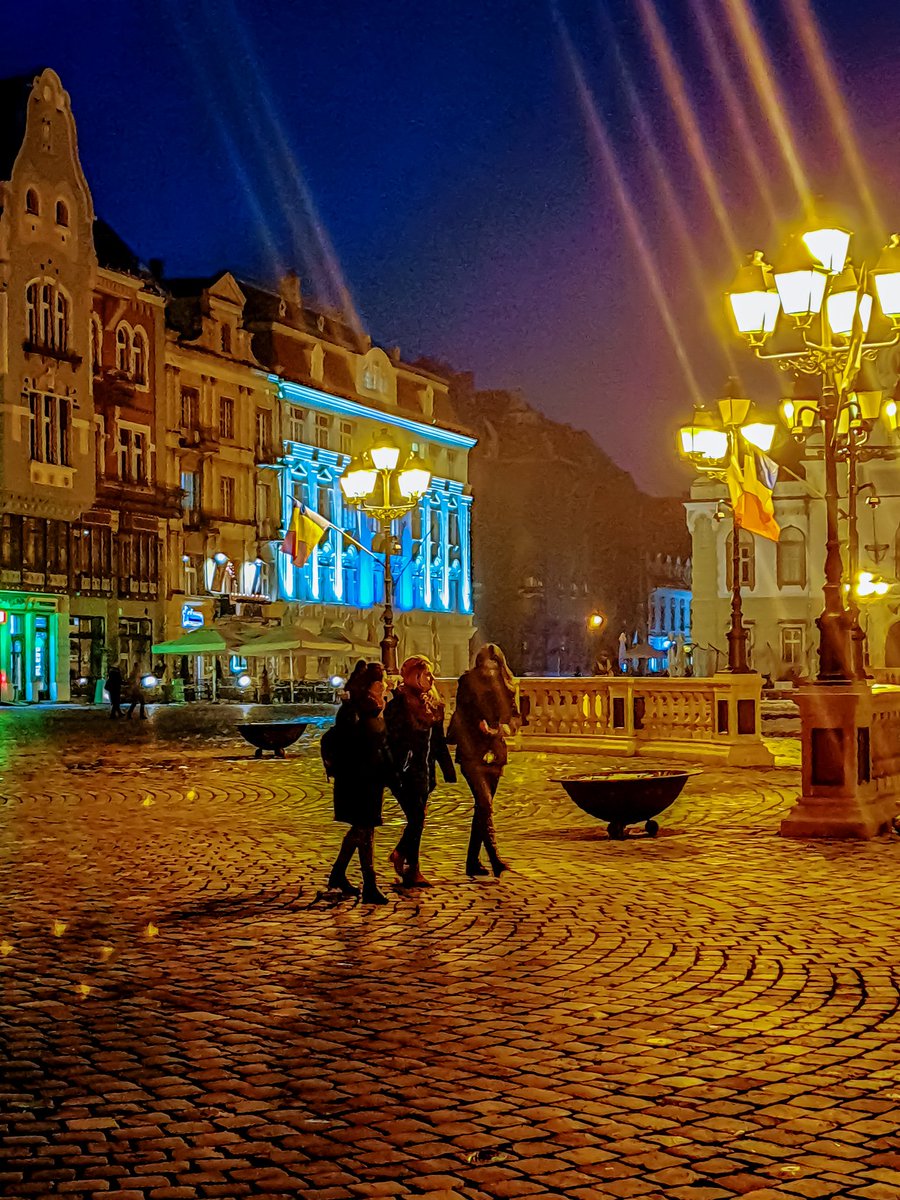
x=710, y=1014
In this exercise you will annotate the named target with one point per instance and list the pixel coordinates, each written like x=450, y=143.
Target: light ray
x=762, y=74
x=690, y=129
x=810, y=35
x=735, y=108
x=629, y=213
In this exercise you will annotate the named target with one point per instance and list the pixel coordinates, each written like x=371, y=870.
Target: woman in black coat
x=485, y=713
x=415, y=726
x=357, y=756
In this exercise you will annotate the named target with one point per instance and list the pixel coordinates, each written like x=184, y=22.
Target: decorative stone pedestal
x=851, y=761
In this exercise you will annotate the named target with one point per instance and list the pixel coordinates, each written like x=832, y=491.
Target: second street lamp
x=377, y=485
x=711, y=446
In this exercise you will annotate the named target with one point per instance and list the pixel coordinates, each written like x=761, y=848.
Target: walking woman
x=356, y=755
x=485, y=714
x=415, y=727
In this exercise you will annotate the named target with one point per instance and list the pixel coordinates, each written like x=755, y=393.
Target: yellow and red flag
x=750, y=487
x=304, y=533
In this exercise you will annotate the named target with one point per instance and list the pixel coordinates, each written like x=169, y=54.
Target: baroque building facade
x=781, y=582
x=156, y=434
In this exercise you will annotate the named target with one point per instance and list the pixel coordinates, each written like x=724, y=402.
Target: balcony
x=153, y=499
x=46, y=351
x=202, y=439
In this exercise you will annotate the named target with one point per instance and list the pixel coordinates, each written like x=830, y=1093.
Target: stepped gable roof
x=14, y=96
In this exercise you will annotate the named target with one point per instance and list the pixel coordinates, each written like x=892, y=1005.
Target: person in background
x=357, y=757
x=265, y=688
x=136, y=692
x=113, y=687
x=415, y=728
x=486, y=714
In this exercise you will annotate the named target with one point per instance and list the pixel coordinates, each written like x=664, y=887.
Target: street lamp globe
x=700, y=442
x=414, y=479
x=358, y=480
x=760, y=434
x=887, y=280
x=845, y=302
x=754, y=300
x=385, y=454
x=828, y=246
x=801, y=284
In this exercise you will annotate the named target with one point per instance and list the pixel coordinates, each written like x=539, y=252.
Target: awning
x=287, y=640
x=196, y=641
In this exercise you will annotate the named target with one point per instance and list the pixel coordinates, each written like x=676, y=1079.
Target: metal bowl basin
x=272, y=735
x=626, y=797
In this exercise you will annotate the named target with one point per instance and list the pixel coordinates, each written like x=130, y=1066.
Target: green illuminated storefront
x=30, y=648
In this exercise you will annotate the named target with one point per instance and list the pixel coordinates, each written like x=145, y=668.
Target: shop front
x=32, y=628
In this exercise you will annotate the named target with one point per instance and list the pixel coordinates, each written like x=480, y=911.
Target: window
x=47, y=316
x=346, y=434
x=451, y=463
x=323, y=431
x=297, y=424
x=139, y=357
x=190, y=486
x=226, y=339
x=49, y=428
x=226, y=417
x=227, y=486
x=10, y=541
x=62, y=213
x=263, y=432
x=96, y=344
x=747, y=569
x=33, y=556
x=792, y=644
x=373, y=377
x=190, y=574
x=123, y=348
x=132, y=452
x=791, y=558
x=32, y=203
x=190, y=408
x=324, y=501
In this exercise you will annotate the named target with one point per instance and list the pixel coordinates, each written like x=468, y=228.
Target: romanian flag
x=750, y=487
x=304, y=533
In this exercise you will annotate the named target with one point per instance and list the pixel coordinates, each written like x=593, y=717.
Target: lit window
x=32, y=203
x=190, y=487
x=49, y=417
x=792, y=644
x=323, y=431
x=226, y=417
x=62, y=213
x=373, y=377
x=139, y=357
x=123, y=348
x=791, y=558
x=296, y=424
x=132, y=453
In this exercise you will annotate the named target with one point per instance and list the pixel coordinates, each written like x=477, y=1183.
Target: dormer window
x=226, y=339
x=373, y=377
x=32, y=203
x=62, y=214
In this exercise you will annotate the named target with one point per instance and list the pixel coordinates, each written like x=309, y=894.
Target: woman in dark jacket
x=415, y=727
x=485, y=713
x=358, y=758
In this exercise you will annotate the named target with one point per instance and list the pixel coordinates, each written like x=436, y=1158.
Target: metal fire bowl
x=272, y=735
x=623, y=798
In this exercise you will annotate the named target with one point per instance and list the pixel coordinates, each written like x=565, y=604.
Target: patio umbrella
x=283, y=640
x=195, y=641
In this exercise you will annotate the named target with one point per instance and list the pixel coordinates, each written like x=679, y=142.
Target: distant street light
x=376, y=485
x=830, y=309
x=710, y=444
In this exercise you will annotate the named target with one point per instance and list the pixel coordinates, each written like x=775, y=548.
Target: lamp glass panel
x=414, y=481
x=359, y=482
x=385, y=456
x=759, y=434
x=887, y=285
x=787, y=408
x=755, y=312
x=828, y=247
x=698, y=441
x=801, y=292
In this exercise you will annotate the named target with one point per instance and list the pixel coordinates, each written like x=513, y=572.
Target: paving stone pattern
x=710, y=1014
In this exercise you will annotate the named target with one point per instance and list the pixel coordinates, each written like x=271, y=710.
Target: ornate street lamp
x=830, y=306
x=377, y=485
x=710, y=445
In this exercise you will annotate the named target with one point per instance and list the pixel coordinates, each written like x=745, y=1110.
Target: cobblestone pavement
x=710, y=1014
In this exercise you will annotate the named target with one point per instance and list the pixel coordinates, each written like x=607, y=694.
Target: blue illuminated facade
x=432, y=573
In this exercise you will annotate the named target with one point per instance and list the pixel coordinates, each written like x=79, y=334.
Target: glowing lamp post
x=709, y=445
x=379, y=486
x=828, y=306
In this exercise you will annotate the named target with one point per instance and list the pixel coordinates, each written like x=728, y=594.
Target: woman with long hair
x=357, y=756
x=486, y=713
x=415, y=728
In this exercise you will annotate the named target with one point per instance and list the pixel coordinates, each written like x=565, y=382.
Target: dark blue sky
x=445, y=152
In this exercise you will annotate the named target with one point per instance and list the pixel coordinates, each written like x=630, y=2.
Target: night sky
x=446, y=153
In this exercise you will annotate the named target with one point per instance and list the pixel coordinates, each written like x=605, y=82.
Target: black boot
x=475, y=868
x=370, y=892
x=338, y=877
x=338, y=881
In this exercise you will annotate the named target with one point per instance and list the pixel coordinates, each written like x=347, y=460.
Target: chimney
x=157, y=268
x=289, y=289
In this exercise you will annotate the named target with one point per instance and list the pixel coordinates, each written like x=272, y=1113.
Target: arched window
x=61, y=322
x=139, y=357
x=32, y=203
x=32, y=305
x=373, y=377
x=62, y=213
x=96, y=344
x=47, y=314
x=123, y=348
x=747, y=552
x=791, y=558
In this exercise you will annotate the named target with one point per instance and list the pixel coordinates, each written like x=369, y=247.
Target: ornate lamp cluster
x=818, y=314
x=377, y=485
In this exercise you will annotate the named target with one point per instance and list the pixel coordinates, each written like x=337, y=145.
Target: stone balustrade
x=708, y=719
